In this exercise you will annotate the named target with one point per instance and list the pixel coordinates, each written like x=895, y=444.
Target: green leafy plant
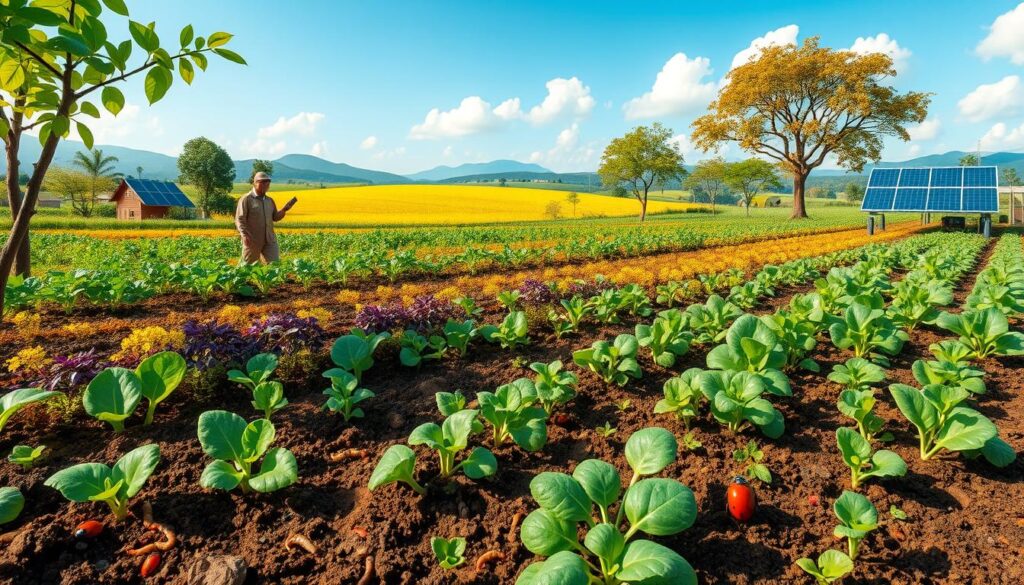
x=236, y=446
x=160, y=374
x=863, y=463
x=15, y=400
x=857, y=374
x=510, y=410
x=344, y=394
x=857, y=517
x=859, y=405
x=606, y=306
x=268, y=398
x=986, y=333
x=751, y=346
x=606, y=430
x=949, y=373
x=554, y=385
x=512, y=332
x=690, y=442
x=448, y=403
x=509, y=299
x=796, y=336
x=11, y=504
x=452, y=437
x=633, y=298
x=353, y=353
x=667, y=337
x=752, y=455
x=458, y=334
x=115, y=486
x=575, y=311
x=683, y=396
x=830, y=567
x=709, y=321
x=26, y=455
x=112, y=396
x=735, y=401
x=398, y=464
x=450, y=552
x=615, y=362
x=865, y=329
x=258, y=370
x=896, y=513
x=610, y=553
x=915, y=302
x=415, y=348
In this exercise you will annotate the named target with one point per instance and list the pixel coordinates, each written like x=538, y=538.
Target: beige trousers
x=265, y=251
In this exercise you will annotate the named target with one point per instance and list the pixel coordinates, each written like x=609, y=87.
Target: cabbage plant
x=735, y=401
x=11, y=504
x=865, y=463
x=667, y=337
x=15, y=400
x=512, y=413
x=615, y=362
x=554, y=385
x=512, y=332
x=236, y=447
x=857, y=517
x=683, y=396
x=866, y=330
x=344, y=394
x=986, y=333
x=751, y=346
x=831, y=566
x=353, y=353
x=115, y=486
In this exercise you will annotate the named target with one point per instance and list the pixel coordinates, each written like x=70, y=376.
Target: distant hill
x=283, y=172
x=443, y=172
x=309, y=162
x=154, y=165
x=526, y=176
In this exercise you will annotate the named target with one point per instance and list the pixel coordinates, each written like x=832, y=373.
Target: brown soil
x=966, y=518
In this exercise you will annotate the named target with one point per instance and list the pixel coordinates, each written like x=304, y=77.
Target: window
x=131, y=213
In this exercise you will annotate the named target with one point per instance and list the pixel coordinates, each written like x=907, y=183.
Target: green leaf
x=160, y=374
x=544, y=534
x=257, y=438
x=278, y=470
x=562, y=568
x=428, y=434
x=650, y=563
x=217, y=39
x=12, y=75
x=220, y=475
x=11, y=504
x=15, y=400
x=85, y=134
x=660, y=507
x=231, y=56
x=113, y=395
x=117, y=6
x=80, y=483
x=457, y=428
x=605, y=541
x=998, y=452
x=561, y=495
x=113, y=99
x=220, y=435
x=158, y=81
x=397, y=464
x=60, y=125
x=650, y=450
x=965, y=429
x=855, y=511
x=186, y=35
x=480, y=463
x=144, y=36
x=135, y=468
x=600, y=480
x=886, y=463
x=834, y=564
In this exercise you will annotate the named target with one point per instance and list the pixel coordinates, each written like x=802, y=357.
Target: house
x=139, y=199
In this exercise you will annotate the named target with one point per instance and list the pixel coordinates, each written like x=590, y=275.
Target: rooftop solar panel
x=159, y=193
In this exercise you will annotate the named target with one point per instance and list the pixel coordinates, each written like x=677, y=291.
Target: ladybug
x=88, y=529
x=741, y=500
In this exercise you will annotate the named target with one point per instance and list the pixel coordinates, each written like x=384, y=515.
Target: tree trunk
x=22, y=261
x=799, y=184
x=748, y=208
x=643, y=208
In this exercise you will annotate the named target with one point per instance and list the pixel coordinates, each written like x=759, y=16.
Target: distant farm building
x=139, y=199
x=42, y=202
x=764, y=201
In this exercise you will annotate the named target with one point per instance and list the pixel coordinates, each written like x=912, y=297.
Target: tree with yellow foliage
x=801, y=104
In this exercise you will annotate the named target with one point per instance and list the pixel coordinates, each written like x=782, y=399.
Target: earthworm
x=515, y=524
x=302, y=542
x=170, y=541
x=147, y=514
x=350, y=454
x=488, y=558
x=362, y=532
x=368, y=573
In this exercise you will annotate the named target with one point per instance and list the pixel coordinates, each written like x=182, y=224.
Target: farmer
x=255, y=217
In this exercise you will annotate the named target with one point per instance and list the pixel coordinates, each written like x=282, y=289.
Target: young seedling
x=450, y=552
x=624, y=404
x=160, y=375
x=236, y=446
x=667, y=337
x=610, y=551
x=510, y=410
x=897, y=513
x=682, y=396
x=448, y=403
x=268, y=398
x=735, y=401
x=343, y=396
x=690, y=442
x=859, y=405
x=451, y=438
x=11, y=504
x=606, y=430
x=112, y=396
x=25, y=455
x=751, y=346
x=866, y=330
x=15, y=400
x=258, y=370
x=857, y=374
x=511, y=333
x=986, y=333
x=353, y=353
x=857, y=454
x=554, y=385
x=752, y=456
x=615, y=362
x=416, y=348
x=457, y=335
x=115, y=486
x=398, y=464
x=857, y=517
x=830, y=567
x=509, y=299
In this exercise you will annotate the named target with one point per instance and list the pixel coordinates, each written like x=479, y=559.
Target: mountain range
x=309, y=168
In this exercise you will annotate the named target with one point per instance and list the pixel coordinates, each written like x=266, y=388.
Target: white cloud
x=882, y=43
x=1005, y=37
x=473, y=115
x=926, y=130
x=682, y=143
x=568, y=153
x=1004, y=97
x=319, y=149
x=780, y=36
x=1001, y=137
x=263, y=148
x=368, y=143
x=914, y=150
x=389, y=154
x=447, y=152
x=566, y=97
x=131, y=127
x=301, y=124
x=508, y=109
x=678, y=88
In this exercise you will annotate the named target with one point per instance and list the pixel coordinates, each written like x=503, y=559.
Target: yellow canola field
x=448, y=204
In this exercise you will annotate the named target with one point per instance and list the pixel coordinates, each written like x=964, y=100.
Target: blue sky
x=404, y=86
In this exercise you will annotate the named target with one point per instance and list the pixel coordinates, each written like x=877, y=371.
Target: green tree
x=573, y=199
x=642, y=157
x=73, y=185
x=750, y=177
x=261, y=166
x=969, y=160
x=56, y=63
x=801, y=104
x=1012, y=180
x=553, y=210
x=209, y=168
x=100, y=169
x=138, y=172
x=709, y=178
x=854, y=191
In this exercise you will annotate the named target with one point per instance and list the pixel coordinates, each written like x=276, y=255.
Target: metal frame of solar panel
x=933, y=189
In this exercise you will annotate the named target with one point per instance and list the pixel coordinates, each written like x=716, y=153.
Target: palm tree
x=138, y=171
x=99, y=168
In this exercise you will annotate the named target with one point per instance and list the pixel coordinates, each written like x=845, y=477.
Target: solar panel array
x=159, y=193
x=937, y=189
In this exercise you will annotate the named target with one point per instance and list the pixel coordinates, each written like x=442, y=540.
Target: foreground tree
x=639, y=159
x=73, y=185
x=800, y=105
x=209, y=167
x=709, y=178
x=55, y=60
x=751, y=177
x=261, y=166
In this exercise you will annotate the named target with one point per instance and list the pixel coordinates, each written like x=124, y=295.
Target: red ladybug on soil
x=741, y=500
x=88, y=529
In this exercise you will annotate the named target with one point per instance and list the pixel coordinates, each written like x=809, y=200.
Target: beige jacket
x=255, y=216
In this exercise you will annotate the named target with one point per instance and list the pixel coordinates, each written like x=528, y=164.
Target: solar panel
x=949, y=189
x=159, y=193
